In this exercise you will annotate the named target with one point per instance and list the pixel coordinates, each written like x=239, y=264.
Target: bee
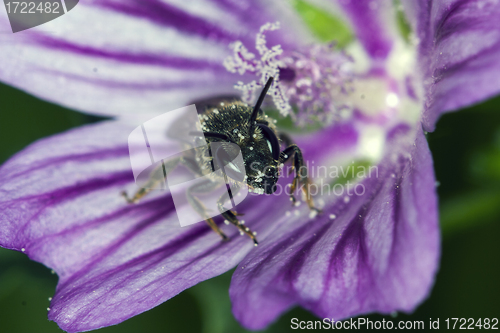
x=259, y=141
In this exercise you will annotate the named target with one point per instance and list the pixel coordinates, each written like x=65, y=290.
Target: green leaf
x=485, y=162
x=215, y=305
x=469, y=210
x=325, y=26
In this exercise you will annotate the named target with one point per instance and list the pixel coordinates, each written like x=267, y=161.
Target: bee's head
x=263, y=154
x=261, y=160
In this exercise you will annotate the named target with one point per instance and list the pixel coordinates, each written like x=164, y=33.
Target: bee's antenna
x=257, y=106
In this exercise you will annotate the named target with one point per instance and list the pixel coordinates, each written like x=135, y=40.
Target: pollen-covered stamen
x=267, y=66
x=321, y=76
x=311, y=79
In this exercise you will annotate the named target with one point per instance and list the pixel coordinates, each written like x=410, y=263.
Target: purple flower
x=370, y=250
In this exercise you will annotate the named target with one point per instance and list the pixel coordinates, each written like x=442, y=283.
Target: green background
x=466, y=150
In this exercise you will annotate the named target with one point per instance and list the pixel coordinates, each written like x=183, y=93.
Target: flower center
x=321, y=84
x=313, y=79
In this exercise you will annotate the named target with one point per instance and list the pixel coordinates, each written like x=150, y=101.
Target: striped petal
x=60, y=204
x=122, y=57
x=373, y=23
x=372, y=252
x=459, y=51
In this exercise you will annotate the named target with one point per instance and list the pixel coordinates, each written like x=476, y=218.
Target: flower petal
x=373, y=23
x=60, y=204
x=379, y=254
x=119, y=57
x=459, y=51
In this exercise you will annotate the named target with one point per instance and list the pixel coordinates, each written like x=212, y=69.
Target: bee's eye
x=272, y=140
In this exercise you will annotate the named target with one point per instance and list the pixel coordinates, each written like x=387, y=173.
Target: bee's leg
x=205, y=186
x=230, y=216
x=301, y=177
x=157, y=176
x=192, y=165
x=287, y=140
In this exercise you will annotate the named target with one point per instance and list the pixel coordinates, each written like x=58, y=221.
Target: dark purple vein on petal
x=443, y=73
x=396, y=211
x=46, y=200
x=138, y=86
x=160, y=60
x=81, y=188
x=127, y=208
x=86, y=157
x=447, y=15
x=159, y=207
x=167, y=15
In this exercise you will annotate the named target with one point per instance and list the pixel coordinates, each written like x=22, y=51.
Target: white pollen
x=222, y=103
x=251, y=148
x=233, y=107
x=321, y=203
x=297, y=203
x=48, y=309
x=235, y=130
x=226, y=222
x=23, y=249
x=242, y=222
x=346, y=199
x=50, y=299
x=255, y=135
x=254, y=233
x=313, y=214
x=241, y=233
x=392, y=100
x=332, y=216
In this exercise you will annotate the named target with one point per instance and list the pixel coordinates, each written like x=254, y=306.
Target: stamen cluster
x=311, y=80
